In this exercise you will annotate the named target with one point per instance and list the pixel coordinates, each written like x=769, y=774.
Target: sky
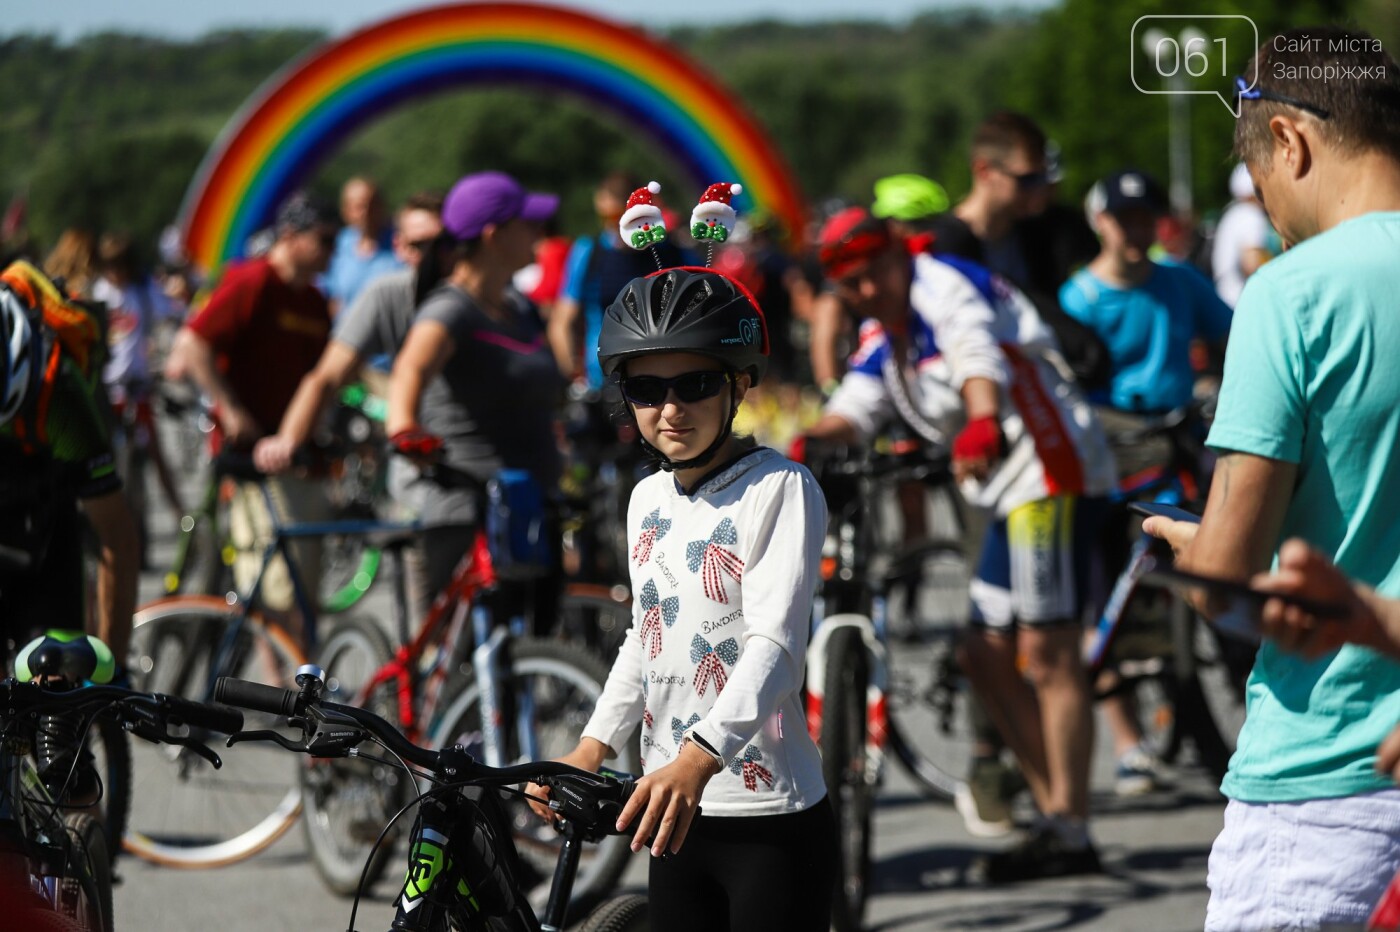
x=184, y=19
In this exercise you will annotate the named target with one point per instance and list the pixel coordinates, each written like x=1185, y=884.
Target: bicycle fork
x=490, y=660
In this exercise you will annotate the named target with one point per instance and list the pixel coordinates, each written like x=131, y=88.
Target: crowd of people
x=1009, y=330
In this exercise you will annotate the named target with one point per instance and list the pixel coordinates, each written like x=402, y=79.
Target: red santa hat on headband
x=641, y=204
x=713, y=217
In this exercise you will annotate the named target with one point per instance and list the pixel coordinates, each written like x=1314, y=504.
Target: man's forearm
x=196, y=357
x=981, y=398
x=305, y=408
x=1243, y=520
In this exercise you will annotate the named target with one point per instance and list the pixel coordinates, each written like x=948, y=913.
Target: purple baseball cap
x=492, y=197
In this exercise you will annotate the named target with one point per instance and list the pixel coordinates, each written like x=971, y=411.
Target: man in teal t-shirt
x=1308, y=428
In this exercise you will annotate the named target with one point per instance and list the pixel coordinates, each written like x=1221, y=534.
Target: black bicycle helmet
x=19, y=354
x=685, y=310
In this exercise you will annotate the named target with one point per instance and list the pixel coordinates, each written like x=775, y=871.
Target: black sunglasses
x=1027, y=180
x=690, y=387
x=1258, y=93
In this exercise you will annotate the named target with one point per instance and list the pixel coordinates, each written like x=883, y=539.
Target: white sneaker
x=1139, y=773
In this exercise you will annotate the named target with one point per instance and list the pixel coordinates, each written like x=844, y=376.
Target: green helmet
x=908, y=197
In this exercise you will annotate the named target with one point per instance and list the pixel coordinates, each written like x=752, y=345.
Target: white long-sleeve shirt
x=723, y=581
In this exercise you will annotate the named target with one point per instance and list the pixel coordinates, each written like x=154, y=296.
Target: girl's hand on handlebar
x=588, y=755
x=667, y=800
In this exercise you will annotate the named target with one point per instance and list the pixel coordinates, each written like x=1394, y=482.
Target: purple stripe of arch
x=635, y=103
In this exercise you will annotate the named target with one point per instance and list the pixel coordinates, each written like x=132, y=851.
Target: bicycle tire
x=564, y=681
x=1194, y=717
x=348, y=802
x=630, y=912
x=113, y=763
x=198, y=567
x=189, y=814
x=596, y=616
x=85, y=888
x=844, y=768
x=927, y=697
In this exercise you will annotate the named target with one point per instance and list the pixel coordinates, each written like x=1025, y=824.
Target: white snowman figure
x=641, y=224
x=713, y=217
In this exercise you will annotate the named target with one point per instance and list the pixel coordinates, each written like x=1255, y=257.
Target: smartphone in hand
x=1243, y=605
x=1160, y=510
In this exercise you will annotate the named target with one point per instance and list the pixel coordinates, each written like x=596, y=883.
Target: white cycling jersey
x=967, y=323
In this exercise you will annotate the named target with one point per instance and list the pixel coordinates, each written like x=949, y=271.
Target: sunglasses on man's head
x=1246, y=92
x=690, y=387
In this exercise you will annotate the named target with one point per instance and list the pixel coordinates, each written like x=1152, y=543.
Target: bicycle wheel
x=848, y=782
x=349, y=801
x=1194, y=714
x=927, y=696
x=85, y=887
x=596, y=616
x=628, y=913
x=561, y=683
x=188, y=813
x=110, y=747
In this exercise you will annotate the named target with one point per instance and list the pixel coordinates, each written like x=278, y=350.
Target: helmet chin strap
x=666, y=464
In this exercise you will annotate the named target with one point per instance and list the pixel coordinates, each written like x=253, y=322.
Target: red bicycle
x=470, y=677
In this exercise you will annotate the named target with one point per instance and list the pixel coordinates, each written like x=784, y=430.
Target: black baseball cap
x=1126, y=190
x=301, y=212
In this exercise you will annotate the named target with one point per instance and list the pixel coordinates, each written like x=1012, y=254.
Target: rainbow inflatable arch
x=301, y=113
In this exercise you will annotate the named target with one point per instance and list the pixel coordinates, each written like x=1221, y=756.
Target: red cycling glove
x=979, y=440
x=416, y=442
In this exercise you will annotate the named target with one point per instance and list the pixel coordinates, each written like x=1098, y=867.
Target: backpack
x=78, y=326
x=68, y=327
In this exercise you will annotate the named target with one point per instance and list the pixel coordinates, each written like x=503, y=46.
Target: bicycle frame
x=32, y=815
x=443, y=626
x=586, y=816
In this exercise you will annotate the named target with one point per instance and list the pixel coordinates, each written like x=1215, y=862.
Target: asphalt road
x=1153, y=848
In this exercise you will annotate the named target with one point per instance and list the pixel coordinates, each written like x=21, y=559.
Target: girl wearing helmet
x=725, y=543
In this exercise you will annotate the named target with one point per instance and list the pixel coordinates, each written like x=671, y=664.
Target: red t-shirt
x=266, y=335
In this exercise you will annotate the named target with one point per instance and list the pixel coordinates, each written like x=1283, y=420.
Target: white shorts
x=1316, y=865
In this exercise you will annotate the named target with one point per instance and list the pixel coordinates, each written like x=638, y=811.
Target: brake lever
x=199, y=747
x=149, y=727
x=272, y=736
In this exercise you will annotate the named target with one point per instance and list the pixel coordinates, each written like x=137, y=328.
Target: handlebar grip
x=204, y=715
x=236, y=465
x=256, y=696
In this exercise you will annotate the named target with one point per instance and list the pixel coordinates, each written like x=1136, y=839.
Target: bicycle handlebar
x=296, y=704
x=256, y=696
x=837, y=460
x=21, y=698
x=146, y=715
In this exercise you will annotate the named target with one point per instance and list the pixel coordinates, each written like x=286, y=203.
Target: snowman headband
x=642, y=225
